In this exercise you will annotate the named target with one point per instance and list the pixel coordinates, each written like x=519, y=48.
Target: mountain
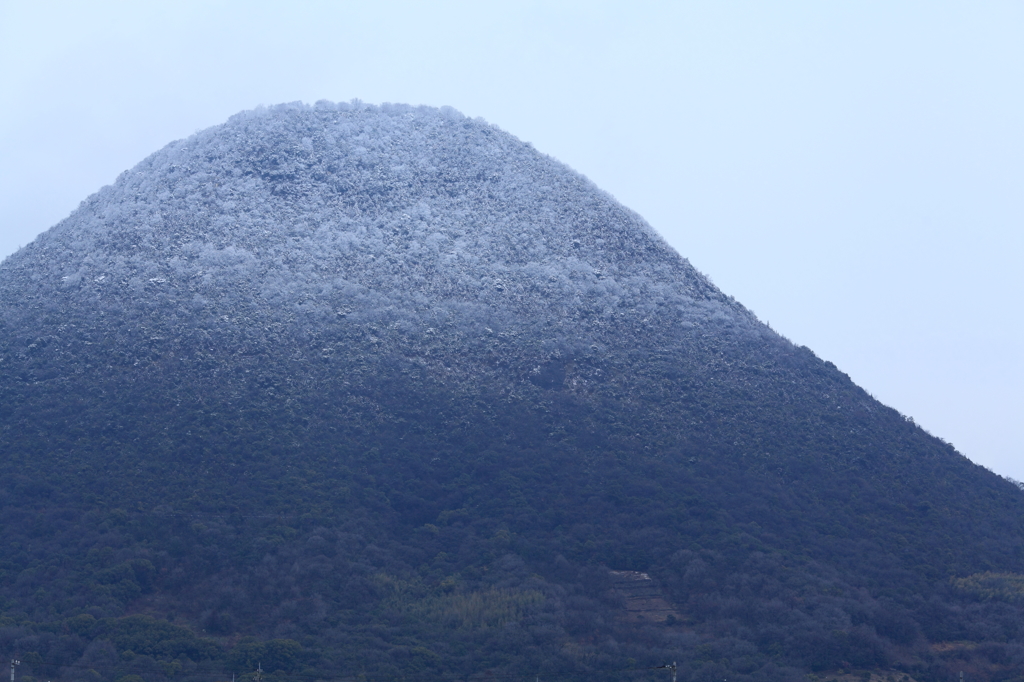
x=348, y=391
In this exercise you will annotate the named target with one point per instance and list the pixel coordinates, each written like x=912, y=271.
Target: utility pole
x=675, y=669
x=14, y=662
x=258, y=677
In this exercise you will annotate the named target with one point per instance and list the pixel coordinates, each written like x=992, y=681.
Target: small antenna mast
x=674, y=668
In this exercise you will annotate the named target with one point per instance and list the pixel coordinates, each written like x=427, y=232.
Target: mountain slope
x=384, y=391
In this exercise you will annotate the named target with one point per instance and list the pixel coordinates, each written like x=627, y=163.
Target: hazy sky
x=853, y=172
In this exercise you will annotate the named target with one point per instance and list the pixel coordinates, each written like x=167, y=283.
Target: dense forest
x=347, y=392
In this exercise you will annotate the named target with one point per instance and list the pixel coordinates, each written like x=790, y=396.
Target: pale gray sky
x=852, y=172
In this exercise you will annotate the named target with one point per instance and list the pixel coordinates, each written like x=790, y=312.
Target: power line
x=221, y=673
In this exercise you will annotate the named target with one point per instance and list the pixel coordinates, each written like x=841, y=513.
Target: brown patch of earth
x=944, y=647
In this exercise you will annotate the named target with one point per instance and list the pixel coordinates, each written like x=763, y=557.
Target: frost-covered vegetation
x=382, y=392
x=412, y=219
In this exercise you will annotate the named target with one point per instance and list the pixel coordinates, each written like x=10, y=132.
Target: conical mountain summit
x=385, y=391
x=323, y=220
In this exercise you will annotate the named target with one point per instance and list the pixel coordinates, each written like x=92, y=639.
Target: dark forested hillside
x=383, y=393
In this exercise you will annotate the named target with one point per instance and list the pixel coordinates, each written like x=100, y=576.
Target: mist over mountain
x=383, y=392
